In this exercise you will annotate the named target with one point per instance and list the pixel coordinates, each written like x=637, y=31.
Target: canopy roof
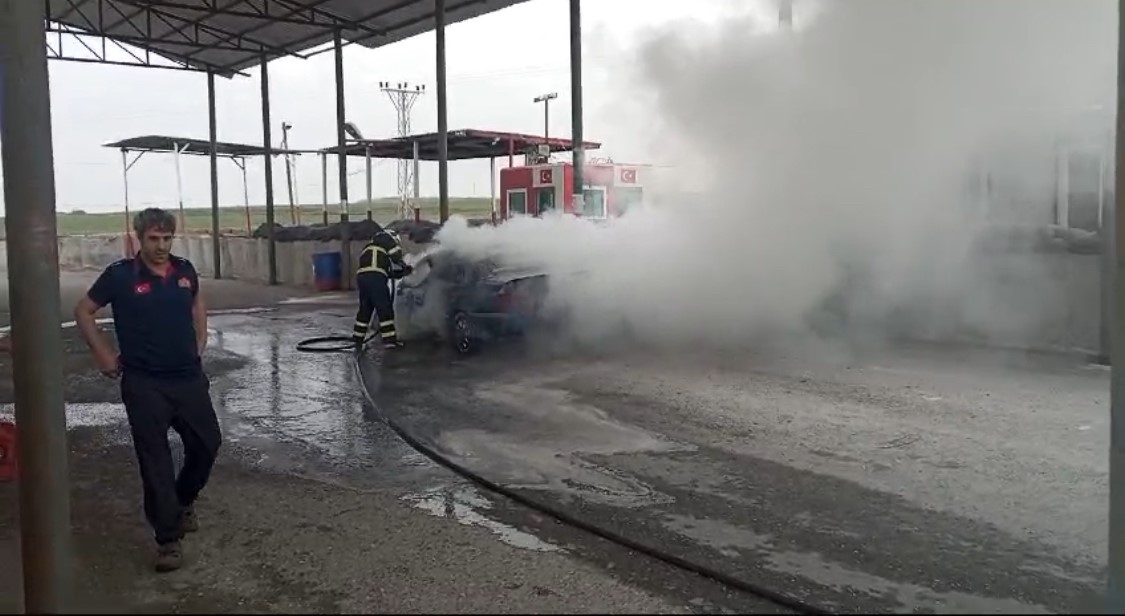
x=463, y=145
x=228, y=36
x=161, y=143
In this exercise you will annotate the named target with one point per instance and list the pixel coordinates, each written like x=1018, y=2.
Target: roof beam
x=74, y=6
x=256, y=14
x=410, y=22
x=337, y=20
x=102, y=57
x=398, y=6
x=140, y=41
x=151, y=6
x=258, y=27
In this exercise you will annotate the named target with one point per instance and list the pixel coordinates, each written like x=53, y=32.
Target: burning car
x=468, y=302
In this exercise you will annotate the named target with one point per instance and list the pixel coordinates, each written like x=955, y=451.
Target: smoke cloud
x=822, y=175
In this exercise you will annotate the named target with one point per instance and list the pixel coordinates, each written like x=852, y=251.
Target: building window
x=1083, y=192
x=593, y=202
x=626, y=198
x=517, y=202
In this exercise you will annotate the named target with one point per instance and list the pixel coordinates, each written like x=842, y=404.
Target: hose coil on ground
x=326, y=344
x=778, y=598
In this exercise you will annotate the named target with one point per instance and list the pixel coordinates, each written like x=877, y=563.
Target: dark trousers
x=374, y=298
x=153, y=405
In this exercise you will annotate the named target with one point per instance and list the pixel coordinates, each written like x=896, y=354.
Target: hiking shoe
x=169, y=557
x=188, y=522
x=393, y=345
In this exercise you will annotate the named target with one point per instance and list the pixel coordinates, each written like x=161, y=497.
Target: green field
x=232, y=220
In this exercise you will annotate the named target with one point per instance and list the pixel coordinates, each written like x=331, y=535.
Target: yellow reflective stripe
x=371, y=268
x=390, y=334
x=372, y=248
x=394, y=250
x=386, y=323
x=361, y=324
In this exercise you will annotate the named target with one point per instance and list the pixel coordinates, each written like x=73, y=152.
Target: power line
x=403, y=96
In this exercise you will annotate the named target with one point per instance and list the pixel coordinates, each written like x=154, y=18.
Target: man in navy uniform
x=161, y=326
x=380, y=262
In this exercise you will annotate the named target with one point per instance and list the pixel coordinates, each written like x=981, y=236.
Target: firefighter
x=380, y=262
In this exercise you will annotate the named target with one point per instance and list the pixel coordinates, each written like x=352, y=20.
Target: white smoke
x=837, y=159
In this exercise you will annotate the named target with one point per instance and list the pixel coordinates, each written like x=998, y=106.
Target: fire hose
x=773, y=596
x=333, y=344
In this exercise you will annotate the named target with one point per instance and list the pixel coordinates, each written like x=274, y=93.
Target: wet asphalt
x=907, y=480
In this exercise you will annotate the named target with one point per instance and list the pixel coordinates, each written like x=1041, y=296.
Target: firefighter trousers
x=375, y=301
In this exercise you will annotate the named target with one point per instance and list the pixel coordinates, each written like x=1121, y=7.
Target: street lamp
x=289, y=184
x=546, y=100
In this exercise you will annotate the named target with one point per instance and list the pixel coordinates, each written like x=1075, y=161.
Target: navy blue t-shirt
x=152, y=316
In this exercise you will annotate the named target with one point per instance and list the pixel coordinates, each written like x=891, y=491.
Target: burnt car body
x=469, y=302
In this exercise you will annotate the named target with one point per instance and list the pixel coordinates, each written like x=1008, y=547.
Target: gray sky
x=496, y=65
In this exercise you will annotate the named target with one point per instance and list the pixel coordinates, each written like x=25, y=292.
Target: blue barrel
x=327, y=270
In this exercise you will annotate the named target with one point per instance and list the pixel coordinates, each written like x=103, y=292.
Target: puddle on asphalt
x=463, y=504
x=732, y=541
x=226, y=311
x=79, y=414
x=327, y=298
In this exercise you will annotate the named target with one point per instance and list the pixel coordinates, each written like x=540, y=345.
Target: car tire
x=461, y=334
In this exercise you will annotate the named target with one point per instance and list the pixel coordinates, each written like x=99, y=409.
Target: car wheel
x=461, y=334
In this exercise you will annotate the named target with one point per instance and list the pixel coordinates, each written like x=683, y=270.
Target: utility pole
x=546, y=100
x=285, y=126
x=403, y=96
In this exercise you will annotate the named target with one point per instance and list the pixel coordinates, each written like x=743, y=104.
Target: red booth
x=611, y=189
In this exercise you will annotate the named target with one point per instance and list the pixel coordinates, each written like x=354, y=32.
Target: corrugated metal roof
x=462, y=145
x=162, y=143
x=228, y=36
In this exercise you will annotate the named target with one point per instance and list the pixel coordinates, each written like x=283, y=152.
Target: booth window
x=517, y=202
x=593, y=202
x=626, y=198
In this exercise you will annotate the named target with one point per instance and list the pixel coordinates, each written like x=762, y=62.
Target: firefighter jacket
x=382, y=255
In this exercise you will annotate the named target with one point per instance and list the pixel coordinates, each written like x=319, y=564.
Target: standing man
x=161, y=326
x=380, y=262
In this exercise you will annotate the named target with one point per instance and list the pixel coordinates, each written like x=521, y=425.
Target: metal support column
x=417, y=164
x=267, y=160
x=370, y=197
x=176, y=151
x=324, y=188
x=128, y=224
x=1106, y=277
x=492, y=184
x=33, y=279
x=576, y=126
x=342, y=164
x=213, y=128
x=1116, y=581
x=442, y=115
